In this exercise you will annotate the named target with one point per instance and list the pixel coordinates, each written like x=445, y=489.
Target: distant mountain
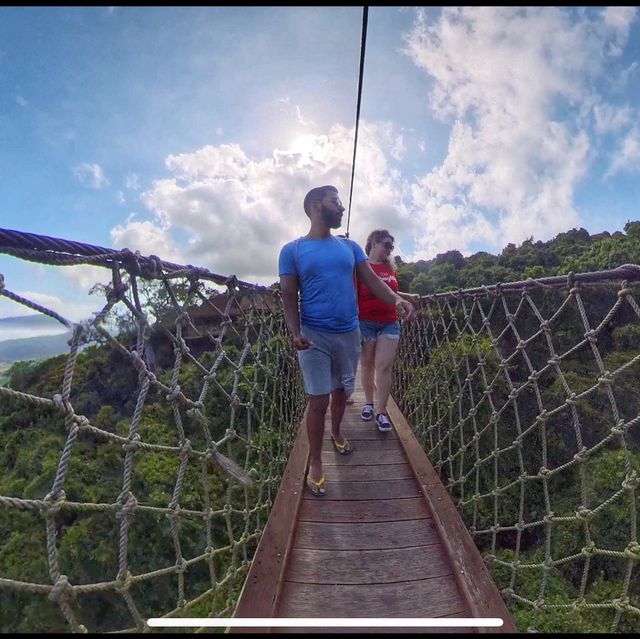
x=27, y=326
x=42, y=347
x=34, y=321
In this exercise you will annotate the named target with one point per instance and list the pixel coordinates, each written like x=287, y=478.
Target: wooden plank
x=379, y=446
x=367, y=566
x=356, y=490
x=361, y=431
x=365, y=536
x=472, y=575
x=261, y=588
x=365, y=510
x=377, y=472
x=401, y=599
x=364, y=457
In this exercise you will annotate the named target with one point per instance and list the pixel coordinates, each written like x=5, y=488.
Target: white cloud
x=609, y=118
x=83, y=277
x=618, y=20
x=237, y=211
x=132, y=181
x=70, y=311
x=21, y=101
x=91, y=174
x=627, y=156
x=516, y=83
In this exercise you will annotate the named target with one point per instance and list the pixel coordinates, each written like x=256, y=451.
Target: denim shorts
x=330, y=362
x=370, y=331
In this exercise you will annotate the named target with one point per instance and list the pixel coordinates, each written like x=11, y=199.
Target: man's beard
x=331, y=218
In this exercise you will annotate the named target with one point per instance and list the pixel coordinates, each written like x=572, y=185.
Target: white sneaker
x=384, y=425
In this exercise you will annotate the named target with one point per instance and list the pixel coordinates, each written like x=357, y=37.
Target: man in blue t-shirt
x=325, y=327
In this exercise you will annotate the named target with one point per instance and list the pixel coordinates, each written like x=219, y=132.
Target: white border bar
x=335, y=622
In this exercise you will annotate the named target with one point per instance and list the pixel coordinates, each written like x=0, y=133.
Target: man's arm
x=289, y=288
x=383, y=292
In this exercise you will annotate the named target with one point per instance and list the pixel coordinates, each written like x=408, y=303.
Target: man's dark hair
x=315, y=195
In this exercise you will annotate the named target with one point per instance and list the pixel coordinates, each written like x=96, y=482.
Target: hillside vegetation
x=104, y=390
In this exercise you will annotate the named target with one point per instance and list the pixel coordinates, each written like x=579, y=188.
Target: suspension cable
x=365, y=14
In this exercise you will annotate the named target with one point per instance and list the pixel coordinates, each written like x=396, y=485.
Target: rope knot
x=632, y=550
x=173, y=394
x=185, y=449
x=581, y=455
x=539, y=604
x=618, y=428
x=63, y=405
x=544, y=472
x=128, y=508
x=621, y=604
x=623, y=292
x=631, y=482
x=55, y=502
x=62, y=591
x=507, y=593
x=231, y=282
x=133, y=443
x=584, y=513
x=156, y=266
x=592, y=336
x=131, y=260
x=548, y=518
x=605, y=378
x=489, y=559
x=124, y=582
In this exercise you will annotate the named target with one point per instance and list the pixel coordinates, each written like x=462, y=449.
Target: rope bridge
x=235, y=398
x=525, y=397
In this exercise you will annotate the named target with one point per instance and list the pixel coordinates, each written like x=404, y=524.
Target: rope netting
x=153, y=505
x=526, y=399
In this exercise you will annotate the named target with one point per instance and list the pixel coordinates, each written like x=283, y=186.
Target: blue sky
x=194, y=133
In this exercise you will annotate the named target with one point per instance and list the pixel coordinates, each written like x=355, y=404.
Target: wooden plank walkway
x=385, y=541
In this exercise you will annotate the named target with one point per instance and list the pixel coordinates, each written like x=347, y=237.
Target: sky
x=193, y=133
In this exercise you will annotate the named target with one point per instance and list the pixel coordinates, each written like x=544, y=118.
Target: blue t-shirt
x=325, y=278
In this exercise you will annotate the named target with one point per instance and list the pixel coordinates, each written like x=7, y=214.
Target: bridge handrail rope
x=497, y=383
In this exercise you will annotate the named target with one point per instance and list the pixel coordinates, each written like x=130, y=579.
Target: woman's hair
x=378, y=235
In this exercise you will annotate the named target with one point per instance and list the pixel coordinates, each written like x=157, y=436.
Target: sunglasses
x=388, y=245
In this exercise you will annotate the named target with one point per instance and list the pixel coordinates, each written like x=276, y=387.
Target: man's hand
x=405, y=309
x=301, y=343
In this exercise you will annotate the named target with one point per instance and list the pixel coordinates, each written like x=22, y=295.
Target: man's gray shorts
x=330, y=362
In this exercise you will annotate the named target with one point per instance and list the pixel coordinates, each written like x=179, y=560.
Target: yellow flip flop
x=316, y=488
x=343, y=449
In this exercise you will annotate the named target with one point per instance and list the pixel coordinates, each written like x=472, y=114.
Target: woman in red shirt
x=379, y=330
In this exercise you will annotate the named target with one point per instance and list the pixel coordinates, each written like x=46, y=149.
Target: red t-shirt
x=369, y=306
